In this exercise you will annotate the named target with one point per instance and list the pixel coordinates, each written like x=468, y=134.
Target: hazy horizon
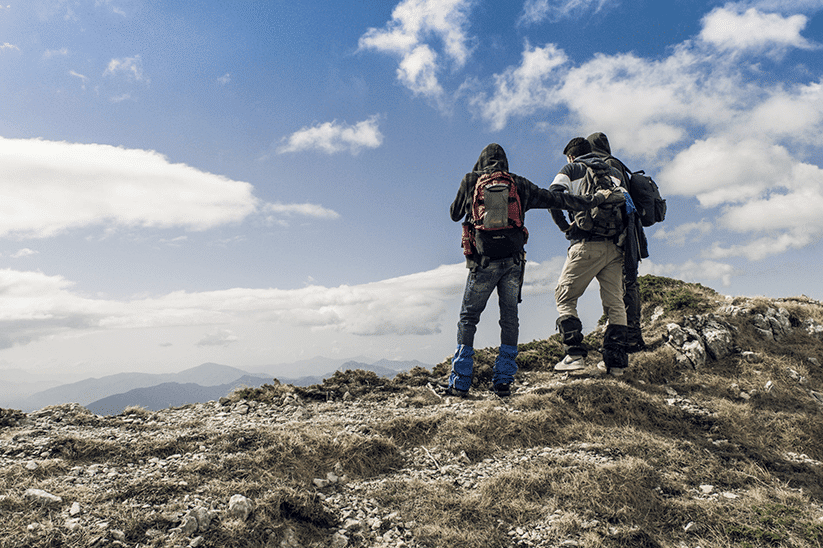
x=260, y=182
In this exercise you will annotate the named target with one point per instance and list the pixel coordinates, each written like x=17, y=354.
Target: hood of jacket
x=591, y=159
x=493, y=158
x=600, y=143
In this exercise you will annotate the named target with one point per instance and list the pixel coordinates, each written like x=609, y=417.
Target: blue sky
x=259, y=182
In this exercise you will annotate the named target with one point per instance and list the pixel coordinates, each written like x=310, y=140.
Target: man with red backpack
x=492, y=202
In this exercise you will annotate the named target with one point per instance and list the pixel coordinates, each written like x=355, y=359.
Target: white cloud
x=220, y=337
x=49, y=187
x=225, y=79
x=749, y=159
x=34, y=305
x=418, y=71
x=645, y=106
x=130, y=67
x=413, y=23
x=677, y=235
x=537, y=11
x=49, y=53
x=520, y=90
x=83, y=79
x=760, y=248
x=25, y=252
x=6, y=45
x=720, y=170
x=121, y=98
x=332, y=137
x=306, y=210
x=753, y=30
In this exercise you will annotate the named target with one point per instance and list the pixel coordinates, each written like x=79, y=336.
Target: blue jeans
x=503, y=275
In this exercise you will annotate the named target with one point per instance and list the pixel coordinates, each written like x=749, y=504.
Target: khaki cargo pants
x=586, y=261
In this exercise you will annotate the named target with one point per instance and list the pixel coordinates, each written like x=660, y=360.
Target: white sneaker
x=571, y=363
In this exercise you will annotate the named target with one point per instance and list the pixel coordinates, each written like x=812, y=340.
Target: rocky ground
x=62, y=492
x=29, y=447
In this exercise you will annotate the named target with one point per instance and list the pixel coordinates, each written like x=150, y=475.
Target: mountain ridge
x=710, y=438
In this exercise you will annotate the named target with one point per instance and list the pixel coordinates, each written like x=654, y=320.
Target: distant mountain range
x=111, y=394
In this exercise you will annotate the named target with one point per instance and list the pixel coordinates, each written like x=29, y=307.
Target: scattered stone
x=657, y=314
x=42, y=497
x=751, y=357
x=240, y=507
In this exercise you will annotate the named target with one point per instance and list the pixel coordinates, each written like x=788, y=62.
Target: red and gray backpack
x=496, y=230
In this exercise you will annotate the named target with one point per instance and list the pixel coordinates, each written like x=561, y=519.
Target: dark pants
x=631, y=299
x=503, y=275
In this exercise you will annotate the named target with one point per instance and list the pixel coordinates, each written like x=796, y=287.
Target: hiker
x=595, y=252
x=493, y=203
x=635, y=248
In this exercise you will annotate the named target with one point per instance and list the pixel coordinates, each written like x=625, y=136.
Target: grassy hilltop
x=718, y=449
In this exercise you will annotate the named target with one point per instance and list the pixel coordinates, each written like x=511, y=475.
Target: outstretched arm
x=554, y=199
x=459, y=208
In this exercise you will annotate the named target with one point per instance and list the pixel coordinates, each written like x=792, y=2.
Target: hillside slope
x=712, y=439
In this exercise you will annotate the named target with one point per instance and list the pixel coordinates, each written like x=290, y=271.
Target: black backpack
x=651, y=207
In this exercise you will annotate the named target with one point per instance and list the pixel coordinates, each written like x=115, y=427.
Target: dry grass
x=667, y=456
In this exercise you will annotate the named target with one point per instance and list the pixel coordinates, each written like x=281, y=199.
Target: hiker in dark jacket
x=503, y=273
x=593, y=253
x=634, y=249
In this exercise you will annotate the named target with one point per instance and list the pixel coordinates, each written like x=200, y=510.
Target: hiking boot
x=571, y=363
x=613, y=371
x=636, y=347
x=452, y=391
x=503, y=389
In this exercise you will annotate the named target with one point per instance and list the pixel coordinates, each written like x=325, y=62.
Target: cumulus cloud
x=747, y=159
x=6, y=45
x=520, y=90
x=719, y=170
x=333, y=137
x=405, y=36
x=761, y=187
x=752, y=30
x=49, y=187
